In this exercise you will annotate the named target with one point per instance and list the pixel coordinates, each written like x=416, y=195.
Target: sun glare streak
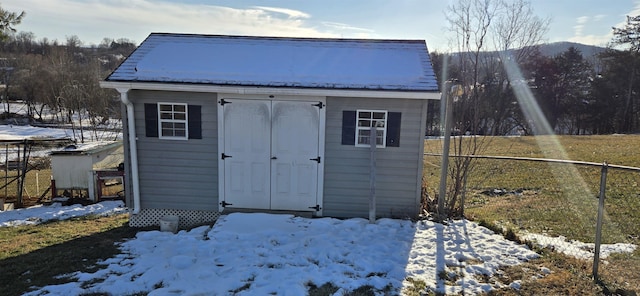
x=579, y=197
x=531, y=109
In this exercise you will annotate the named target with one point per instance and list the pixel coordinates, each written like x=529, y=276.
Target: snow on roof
x=88, y=148
x=368, y=64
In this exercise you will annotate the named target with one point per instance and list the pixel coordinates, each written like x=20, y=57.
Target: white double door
x=270, y=154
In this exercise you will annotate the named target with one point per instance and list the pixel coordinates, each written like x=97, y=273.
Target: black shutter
x=348, y=127
x=151, y=120
x=393, y=129
x=195, y=122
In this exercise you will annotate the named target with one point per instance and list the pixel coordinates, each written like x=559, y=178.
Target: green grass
x=557, y=199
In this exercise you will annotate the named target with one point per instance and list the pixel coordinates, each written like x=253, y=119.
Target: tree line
x=57, y=81
x=499, y=62
x=60, y=78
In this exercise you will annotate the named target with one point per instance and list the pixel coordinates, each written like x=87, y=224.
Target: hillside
x=553, y=49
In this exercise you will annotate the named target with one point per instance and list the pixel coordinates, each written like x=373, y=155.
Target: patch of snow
x=575, y=248
x=516, y=285
x=21, y=132
x=41, y=213
x=545, y=270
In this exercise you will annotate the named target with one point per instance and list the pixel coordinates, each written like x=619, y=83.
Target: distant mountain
x=553, y=49
x=556, y=48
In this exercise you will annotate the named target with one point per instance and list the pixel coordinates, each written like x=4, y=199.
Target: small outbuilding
x=81, y=167
x=225, y=123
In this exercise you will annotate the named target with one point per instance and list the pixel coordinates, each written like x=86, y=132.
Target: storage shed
x=224, y=123
x=76, y=166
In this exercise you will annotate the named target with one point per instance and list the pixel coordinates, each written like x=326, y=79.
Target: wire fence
x=586, y=210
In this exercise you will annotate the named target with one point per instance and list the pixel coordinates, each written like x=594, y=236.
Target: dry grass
x=36, y=255
x=568, y=276
x=557, y=199
x=36, y=183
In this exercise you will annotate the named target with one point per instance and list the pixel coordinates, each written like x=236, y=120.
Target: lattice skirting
x=188, y=218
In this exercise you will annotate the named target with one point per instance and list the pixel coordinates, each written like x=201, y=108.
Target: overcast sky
x=583, y=21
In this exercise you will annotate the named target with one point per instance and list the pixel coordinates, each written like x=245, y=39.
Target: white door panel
x=247, y=134
x=294, y=144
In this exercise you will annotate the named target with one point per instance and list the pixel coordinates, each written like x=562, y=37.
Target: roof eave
x=256, y=90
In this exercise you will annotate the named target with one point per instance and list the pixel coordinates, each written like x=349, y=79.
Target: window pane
x=379, y=141
x=180, y=133
x=167, y=125
x=164, y=115
x=363, y=136
x=180, y=116
x=364, y=115
x=365, y=122
x=167, y=132
x=179, y=125
x=166, y=108
x=378, y=115
x=179, y=108
x=380, y=123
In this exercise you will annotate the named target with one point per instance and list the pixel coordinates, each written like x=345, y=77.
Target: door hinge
x=224, y=204
x=223, y=156
x=319, y=105
x=317, y=208
x=316, y=159
x=223, y=101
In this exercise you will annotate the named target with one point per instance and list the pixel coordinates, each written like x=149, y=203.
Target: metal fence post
x=596, y=253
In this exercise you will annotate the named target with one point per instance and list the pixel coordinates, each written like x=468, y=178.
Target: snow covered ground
x=10, y=132
x=39, y=214
x=18, y=132
x=261, y=254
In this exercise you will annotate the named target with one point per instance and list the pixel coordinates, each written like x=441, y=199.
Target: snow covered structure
x=76, y=166
x=217, y=123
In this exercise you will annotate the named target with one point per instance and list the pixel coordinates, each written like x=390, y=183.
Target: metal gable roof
x=359, y=64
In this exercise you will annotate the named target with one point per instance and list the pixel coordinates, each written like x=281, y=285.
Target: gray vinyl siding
x=347, y=168
x=178, y=174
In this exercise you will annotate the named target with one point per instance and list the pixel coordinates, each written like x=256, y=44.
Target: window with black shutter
x=173, y=121
x=356, y=128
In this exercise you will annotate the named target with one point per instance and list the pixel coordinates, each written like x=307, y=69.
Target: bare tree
x=517, y=27
x=483, y=32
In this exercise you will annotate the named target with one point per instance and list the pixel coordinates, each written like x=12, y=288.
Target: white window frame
x=362, y=128
x=173, y=120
